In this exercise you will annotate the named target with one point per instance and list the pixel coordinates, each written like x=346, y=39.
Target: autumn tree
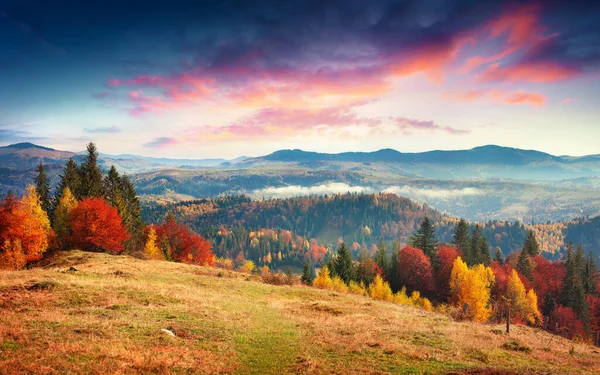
x=97, y=226
x=60, y=221
x=416, y=272
x=521, y=302
x=183, y=245
x=90, y=175
x=470, y=289
x=446, y=256
x=151, y=249
x=379, y=289
x=42, y=187
x=323, y=280
x=366, y=269
x=424, y=239
x=25, y=231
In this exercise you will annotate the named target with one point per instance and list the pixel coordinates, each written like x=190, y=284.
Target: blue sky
x=224, y=79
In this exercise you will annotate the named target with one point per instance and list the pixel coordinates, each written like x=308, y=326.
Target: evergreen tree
x=381, y=257
x=42, y=187
x=306, y=276
x=549, y=305
x=498, y=257
x=461, y=239
x=344, y=264
x=524, y=265
x=69, y=179
x=392, y=273
x=472, y=256
x=90, y=174
x=531, y=246
x=425, y=240
x=590, y=273
x=484, y=252
x=111, y=185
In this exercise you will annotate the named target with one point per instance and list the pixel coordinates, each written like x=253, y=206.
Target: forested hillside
x=363, y=219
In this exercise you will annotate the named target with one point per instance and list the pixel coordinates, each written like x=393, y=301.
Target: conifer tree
x=425, y=240
x=524, y=265
x=381, y=257
x=90, y=174
x=461, y=238
x=393, y=272
x=484, y=252
x=498, y=257
x=590, y=273
x=531, y=246
x=42, y=187
x=344, y=264
x=306, y=276
x=472, y=256
x=69, y=179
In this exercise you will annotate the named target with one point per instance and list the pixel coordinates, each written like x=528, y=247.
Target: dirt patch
x=326, y=309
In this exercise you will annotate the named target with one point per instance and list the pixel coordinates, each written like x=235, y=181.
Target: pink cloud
x=500, y=96
x=407, y=125
x=537, y=72
x=567, y=100
x=161, y=142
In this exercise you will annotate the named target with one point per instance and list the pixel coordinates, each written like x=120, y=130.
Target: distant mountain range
x=488, y=182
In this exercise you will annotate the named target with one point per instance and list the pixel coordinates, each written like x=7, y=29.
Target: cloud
x=296, y=190
x=499, y=96
x=440, y=194
x=105, y=130
x=536, y=72
x=407, y=125
x=161, y=142
x=567, y=100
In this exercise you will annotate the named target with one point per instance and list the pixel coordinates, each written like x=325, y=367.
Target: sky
x=199, y=79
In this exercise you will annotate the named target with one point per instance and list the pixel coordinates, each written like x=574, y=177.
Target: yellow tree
x=523, y=304
x=323, y=281
x=151, y=249
x=471, y=289
x=61, y=217
x=36, y=226
x=380, y=289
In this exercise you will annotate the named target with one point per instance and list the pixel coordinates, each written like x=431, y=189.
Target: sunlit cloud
x=161, y=142
x=499, y=96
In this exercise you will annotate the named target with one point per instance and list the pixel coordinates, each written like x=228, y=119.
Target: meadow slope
x=107, y=316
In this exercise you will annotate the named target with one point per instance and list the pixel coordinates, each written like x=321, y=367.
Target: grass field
x=107, y=318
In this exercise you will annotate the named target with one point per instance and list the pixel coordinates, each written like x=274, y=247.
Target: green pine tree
x=472, y=256
x=461, y=238
x=306, y=276
x=498, y=257
x=90, y=174
x=524, y=265
x=344, y=264
x=531, y=246
x=590, y=274
x=484, y=252
x=392, y=272
x=69, y=179
x=381, y=257
x=42, y=186
x=424, y=239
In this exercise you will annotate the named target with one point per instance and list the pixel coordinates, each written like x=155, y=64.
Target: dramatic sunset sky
x=229, y=78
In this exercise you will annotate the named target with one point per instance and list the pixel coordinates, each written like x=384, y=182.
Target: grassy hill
x=107, y=317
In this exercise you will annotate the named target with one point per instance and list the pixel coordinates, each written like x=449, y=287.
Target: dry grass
x=107, y=318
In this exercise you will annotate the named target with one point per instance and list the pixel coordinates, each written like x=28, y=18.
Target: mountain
x=24, y=156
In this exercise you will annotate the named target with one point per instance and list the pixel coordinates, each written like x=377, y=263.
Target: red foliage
x=414, y=270
x=317, y=252
x=548, y=278
x=446, y=256
x=96, y=225
x=565, y=323
x=501, y=274
x=593, y=302
x=185, y=246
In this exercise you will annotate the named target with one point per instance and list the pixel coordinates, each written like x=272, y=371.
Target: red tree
x=548, y=278
x=564, y=322
x=414, y=270
x=97, y=226
x=446, y=256
x=184, y=245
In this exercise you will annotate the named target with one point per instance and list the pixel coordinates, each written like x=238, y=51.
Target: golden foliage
x=151, y=249
x=380, y=289
x=470, y=289
x=323, y=281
